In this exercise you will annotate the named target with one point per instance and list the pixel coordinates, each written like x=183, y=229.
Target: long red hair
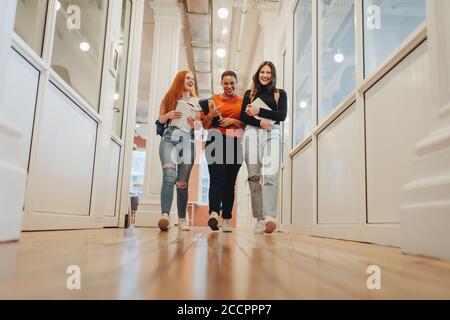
x=175, y=92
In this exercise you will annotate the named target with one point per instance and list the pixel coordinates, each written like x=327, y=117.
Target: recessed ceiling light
x=339, y=57
x=58, y=6
x=84, y=46
x=223, y=13
x=303, y=104
x=221, y=53
x=116, y=96
x=224, y=32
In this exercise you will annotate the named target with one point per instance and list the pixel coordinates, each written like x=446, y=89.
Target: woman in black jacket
x=263, y=109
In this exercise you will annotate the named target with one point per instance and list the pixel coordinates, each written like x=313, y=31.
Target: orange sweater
x=230, y=108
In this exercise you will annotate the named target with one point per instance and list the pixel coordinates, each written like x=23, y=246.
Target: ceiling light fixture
x=303, y=104
x=84, y=46
x=339, y=57
x=223, y=13
x=221, y=53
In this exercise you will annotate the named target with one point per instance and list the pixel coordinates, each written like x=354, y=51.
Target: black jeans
x=224, y=156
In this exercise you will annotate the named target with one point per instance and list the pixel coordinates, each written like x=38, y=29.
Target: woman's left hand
x=252, y=110
x=191, y=121
x=227, y=122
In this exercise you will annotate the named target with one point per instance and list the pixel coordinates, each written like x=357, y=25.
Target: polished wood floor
x=145, y=264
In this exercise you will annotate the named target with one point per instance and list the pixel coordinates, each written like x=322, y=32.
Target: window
x=122, y=46
x=78, y=46
x=387, y=23
x=337, y=72
x=302, y=71
x=137, y=173
x=30, y=22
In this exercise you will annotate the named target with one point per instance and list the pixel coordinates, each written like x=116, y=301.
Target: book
x=207, y=105
x=187, y=110
x=262, y=105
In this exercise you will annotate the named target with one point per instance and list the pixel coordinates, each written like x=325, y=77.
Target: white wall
x=398, y=114
x=12, y=141
x=302, y=187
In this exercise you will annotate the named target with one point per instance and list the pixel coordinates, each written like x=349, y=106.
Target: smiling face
x=265, y=75
x=229, y=86
x=189, y=82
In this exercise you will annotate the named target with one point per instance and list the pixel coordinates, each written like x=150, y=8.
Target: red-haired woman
x=176, y=150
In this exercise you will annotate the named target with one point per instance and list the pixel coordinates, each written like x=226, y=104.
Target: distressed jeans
x=262, y=152
x=177, y=155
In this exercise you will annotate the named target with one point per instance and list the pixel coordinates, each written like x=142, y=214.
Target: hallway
x=146, y=264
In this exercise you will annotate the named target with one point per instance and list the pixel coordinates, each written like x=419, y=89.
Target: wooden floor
x=146, y=264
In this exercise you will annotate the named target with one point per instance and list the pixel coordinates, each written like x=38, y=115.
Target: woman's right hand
x=215, y=112
x=266, y=125
x=173, y=115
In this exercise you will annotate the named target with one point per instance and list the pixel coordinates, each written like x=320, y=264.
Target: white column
x=425, y=214
x=12, y=176
x=165, y=62
x=270, y=26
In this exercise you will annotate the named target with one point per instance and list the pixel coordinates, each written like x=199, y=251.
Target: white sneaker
x=183, y=225
x=226, y=226
x=259, y=227
x=164, y=222
x=270, y=224
x=213, y=221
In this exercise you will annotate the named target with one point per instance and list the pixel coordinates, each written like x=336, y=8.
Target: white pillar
x=165, y=62
x=12, y=176
x=269, y=25
x=425, y=214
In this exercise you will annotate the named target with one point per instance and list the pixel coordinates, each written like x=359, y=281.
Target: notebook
x=205, y=104
x=262, y=105
x=187, y=110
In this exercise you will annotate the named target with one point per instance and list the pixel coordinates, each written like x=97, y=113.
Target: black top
x=277, y=114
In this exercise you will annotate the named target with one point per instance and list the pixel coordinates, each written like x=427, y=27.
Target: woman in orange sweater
x=224, y=151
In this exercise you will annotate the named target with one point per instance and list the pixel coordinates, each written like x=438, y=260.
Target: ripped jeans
x=177, y=155
x=262, y=152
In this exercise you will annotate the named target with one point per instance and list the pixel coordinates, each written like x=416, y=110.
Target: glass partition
x=336, y=59
x=122, y=43
x=302, y=71
x=79, y=44
x=30, y=22
x=387, y=23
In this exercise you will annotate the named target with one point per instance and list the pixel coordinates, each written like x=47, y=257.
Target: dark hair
x=272, y=86
x=229, y=73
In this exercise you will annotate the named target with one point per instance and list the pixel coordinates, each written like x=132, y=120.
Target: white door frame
x=12, y=176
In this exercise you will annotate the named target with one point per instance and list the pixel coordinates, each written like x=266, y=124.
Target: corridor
x=198, y=265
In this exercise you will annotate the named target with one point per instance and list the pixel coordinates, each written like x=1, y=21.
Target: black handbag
x=160, y=128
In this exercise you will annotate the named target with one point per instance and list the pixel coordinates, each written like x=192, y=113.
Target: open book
x=187, y=110
x=262, y=105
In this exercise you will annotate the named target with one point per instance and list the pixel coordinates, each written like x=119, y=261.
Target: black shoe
x=213, y=221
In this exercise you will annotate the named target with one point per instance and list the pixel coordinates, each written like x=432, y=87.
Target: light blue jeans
x=262, y=152
x=177, y=155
